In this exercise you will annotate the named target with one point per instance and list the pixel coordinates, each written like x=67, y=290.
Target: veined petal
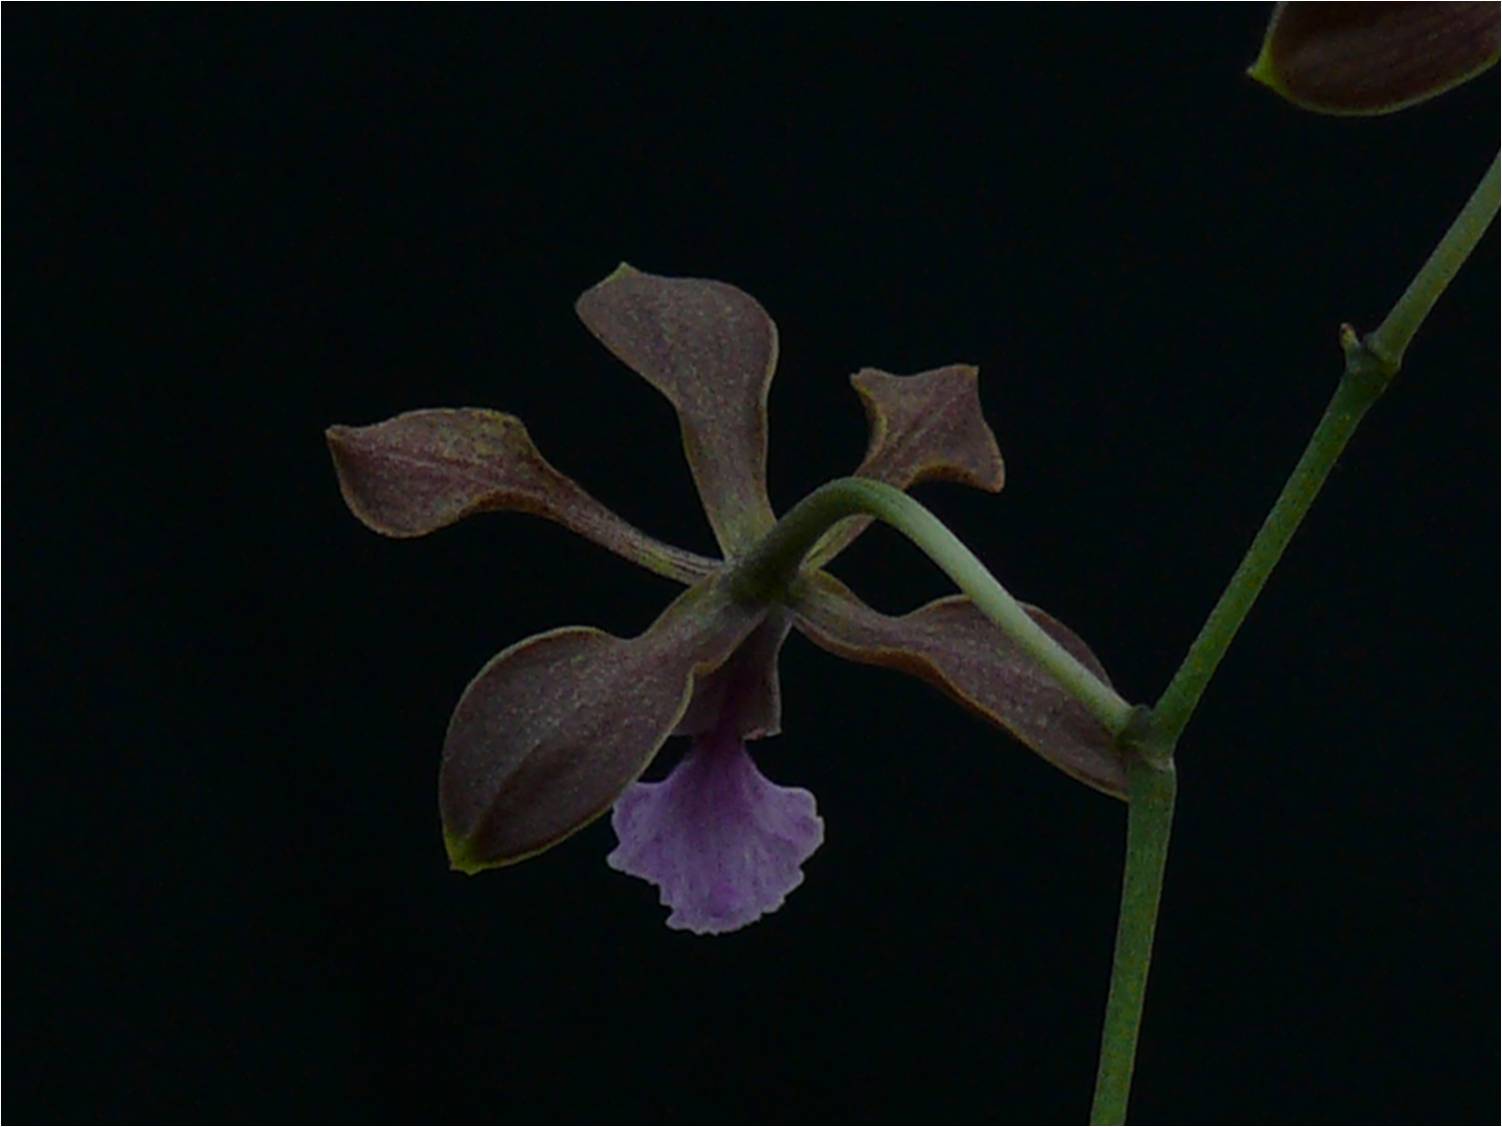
x=722, y=844
x=951, y=645
x=420, y=471
x=711, y=349
x=555, y=728
x=927, y=427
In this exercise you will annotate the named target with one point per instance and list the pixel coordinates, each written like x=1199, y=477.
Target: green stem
x=764, y=572
x=1152, y=738
x=1149, y=819
x=1353, y=397
x=1390, y=339
x=1370, y=367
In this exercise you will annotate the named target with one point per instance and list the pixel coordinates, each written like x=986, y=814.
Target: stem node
x=1146, y=740
x=1366, y=361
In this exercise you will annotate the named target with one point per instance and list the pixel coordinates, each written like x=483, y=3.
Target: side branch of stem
x=1352, y=398
x=1371, y=364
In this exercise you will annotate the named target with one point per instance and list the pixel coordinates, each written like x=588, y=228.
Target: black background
x=227, y=894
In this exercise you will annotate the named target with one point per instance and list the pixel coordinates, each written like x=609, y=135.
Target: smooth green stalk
x=769, y=567
x=1390, y=339
x=1357, y=391
x=1149, y=819
x=1370, y=366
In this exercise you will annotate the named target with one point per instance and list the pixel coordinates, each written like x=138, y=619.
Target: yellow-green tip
x=1263, y=71
x=461, y=859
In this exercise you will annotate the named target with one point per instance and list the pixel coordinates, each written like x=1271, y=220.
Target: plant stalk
x=1149, y=820
x=1370, y=366
x=1390, y=339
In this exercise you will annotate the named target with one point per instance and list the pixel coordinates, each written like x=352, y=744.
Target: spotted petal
x=927, y=427
x=710, y=349
x=556, y=727
x=951, y=645
x=420, y=471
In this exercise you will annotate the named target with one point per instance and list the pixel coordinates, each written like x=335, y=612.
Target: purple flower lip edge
x=722, y=843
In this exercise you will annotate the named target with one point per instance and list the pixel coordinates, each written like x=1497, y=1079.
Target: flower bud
x=1359, y=58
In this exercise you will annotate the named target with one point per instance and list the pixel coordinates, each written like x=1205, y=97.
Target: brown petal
x=423, y=470
x=750, y=679
x=1374, y=58
x=927, y=427
x=556, y=727
x=710, y=349
x=951, y=645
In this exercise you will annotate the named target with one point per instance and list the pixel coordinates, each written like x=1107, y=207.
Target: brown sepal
x=555, y=727
x=422, y=470
x=926, y=427
x=710, y=349
x=954, y=647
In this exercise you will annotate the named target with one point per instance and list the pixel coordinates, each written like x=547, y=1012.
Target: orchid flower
x=557, y=728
